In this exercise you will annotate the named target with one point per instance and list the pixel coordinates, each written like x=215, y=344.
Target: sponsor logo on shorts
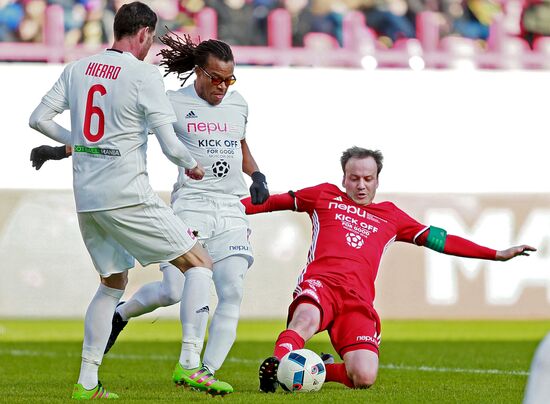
x=367, y=338
x=238, y=248
x=192, y=233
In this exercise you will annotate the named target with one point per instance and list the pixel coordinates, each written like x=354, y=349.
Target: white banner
x=440, y=131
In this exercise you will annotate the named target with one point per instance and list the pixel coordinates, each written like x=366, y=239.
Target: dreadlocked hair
x=182, y=54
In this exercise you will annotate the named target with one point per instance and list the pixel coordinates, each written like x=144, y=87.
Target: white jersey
x=113, y=98
x=213, y=135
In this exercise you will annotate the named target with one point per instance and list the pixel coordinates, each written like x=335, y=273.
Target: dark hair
x=182, y=54
x=131, y=17
x=360, y=153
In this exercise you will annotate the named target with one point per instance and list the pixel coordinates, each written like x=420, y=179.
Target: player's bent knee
x=169, y=297
x=116, y=281
x=230, y=293
x=363, y=379
x=205, y=262
x=197, y=256
x=188, y=261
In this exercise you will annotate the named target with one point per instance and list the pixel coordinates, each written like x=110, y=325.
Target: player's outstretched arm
x=273, y=203
x=512, y=252
x=438, y=240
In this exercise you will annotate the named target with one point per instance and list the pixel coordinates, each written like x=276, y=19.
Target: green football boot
x=97, y=393
x=202, y=379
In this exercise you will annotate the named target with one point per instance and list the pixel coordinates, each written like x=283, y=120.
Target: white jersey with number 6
x=113, y=98
x=213, y=135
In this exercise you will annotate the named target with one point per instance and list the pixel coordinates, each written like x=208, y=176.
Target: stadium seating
x=501, y=51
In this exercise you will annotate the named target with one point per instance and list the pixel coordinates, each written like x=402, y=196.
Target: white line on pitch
x=389, y=366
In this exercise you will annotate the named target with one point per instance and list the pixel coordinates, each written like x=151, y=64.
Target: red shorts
x=351, y=321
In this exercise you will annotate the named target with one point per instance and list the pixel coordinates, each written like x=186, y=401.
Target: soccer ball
x=354, y=240
x=220, y=168
x=301, y=371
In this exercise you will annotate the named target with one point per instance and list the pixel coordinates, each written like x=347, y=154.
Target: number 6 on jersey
x=94, y=110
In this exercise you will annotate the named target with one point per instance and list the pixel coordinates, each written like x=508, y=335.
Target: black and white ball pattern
x=220, y=168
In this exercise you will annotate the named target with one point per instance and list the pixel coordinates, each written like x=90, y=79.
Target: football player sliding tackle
x=335, y=291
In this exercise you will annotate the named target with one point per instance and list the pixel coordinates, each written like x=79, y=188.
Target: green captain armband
x=436, y=239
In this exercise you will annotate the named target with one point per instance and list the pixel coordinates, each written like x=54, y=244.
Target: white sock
x=538, y=385
x=97, y=327
x=154, y=295
x=228, y=278
x=194, y=309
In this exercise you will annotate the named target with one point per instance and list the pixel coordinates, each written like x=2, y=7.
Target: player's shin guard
x=194, y=309
x=288, y=340
x=336, y=372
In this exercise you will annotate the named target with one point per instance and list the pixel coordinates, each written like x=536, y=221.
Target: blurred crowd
x=244, y=22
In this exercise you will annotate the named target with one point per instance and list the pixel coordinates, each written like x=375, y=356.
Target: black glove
x=41, y=154
x=258, y=190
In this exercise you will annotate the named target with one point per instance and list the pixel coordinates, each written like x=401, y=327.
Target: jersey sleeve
x=461, y=247
x=408, y=229
x=152, y=100
x=58, y=98
x=273, y=203
x=306, y=198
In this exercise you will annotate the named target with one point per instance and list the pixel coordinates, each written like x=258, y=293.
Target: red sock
x=336, y=372
x=287, y=341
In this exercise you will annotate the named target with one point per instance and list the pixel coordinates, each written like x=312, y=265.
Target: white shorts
x=149, y=232
x=222, y=225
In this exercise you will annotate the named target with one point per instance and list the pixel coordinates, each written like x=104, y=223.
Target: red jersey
x=348, y=239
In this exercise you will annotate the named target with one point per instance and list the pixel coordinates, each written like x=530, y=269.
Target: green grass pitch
x=420, y=362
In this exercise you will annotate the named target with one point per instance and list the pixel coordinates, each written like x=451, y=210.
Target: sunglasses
x=217, y=81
